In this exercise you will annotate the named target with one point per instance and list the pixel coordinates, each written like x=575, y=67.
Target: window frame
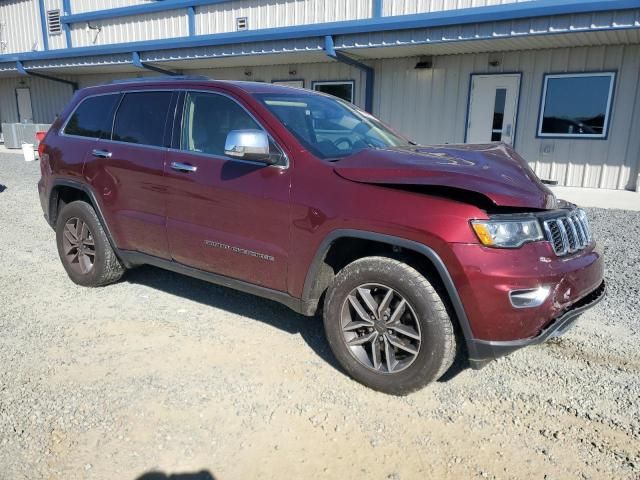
x=62, y=131
x=336, y=82
x=178, y=126
x=612, y=74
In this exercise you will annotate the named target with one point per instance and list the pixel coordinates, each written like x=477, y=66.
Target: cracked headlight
x=507, y=233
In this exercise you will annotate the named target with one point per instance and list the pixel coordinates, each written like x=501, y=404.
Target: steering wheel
x=343, y=140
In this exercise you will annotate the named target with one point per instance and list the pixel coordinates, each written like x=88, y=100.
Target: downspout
x=135, y=59
x=369, y=72
x=66, y=6
x=23, y=71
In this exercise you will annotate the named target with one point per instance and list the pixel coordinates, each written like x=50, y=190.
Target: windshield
x=330, y=128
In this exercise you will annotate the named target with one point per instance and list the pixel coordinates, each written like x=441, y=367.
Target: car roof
x=181, y=82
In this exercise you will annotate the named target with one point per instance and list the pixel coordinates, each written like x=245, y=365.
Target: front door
x=493, y=107
x=226, y=216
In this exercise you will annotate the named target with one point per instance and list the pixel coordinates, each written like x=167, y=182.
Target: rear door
x=127, y=171
x=226, y=216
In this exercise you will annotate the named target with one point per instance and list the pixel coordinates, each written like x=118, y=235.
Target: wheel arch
x=60, y=187
x=320, y=273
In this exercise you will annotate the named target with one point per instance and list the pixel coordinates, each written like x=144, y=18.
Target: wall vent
x=53, y=22
x=242, y=23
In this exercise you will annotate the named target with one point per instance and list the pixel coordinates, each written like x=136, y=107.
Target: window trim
x=612, y=74
x=180, y=110
x=336, y=82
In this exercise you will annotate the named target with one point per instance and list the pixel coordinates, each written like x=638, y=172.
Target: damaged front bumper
x=482, y=352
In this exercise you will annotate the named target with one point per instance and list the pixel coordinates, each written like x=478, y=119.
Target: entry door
x=493, y=105
x=225, y=216
x=25, y=112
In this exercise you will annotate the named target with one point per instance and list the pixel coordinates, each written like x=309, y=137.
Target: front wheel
x=387, y=326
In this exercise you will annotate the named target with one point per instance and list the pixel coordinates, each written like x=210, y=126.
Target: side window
x=208, y=118
x=93, y=118
x=141, y=118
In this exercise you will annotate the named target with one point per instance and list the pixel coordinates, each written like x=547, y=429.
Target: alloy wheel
x=79, y=245
x=380, y=328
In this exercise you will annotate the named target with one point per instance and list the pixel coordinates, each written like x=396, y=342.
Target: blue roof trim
x=66, y=6
x=191, y=14
x=377, y=8
x=538, y=8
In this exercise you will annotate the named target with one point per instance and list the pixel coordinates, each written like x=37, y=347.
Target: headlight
x=507, y=233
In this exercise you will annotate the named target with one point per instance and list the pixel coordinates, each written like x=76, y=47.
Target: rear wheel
x=387, y=326
x=84, y=248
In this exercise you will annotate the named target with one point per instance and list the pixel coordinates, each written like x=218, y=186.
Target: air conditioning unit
x=12, y=138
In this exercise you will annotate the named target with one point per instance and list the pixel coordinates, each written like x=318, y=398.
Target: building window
x=340, y=89
x=576, y=105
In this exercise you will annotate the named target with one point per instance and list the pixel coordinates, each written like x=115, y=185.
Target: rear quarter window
x=93, y=117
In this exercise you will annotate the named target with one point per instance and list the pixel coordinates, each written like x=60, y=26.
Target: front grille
x=568, y=233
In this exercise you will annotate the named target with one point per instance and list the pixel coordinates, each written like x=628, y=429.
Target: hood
x=495, y=171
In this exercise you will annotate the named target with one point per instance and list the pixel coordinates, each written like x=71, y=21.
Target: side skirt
x=132, y=258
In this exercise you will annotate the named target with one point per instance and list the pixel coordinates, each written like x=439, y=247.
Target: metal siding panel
x=407, y=7
x=81, y=6
x=55, y=41
x=24, y=35
x=153, y=26
x=47, y=98
x=430, y=106
x=222, y=17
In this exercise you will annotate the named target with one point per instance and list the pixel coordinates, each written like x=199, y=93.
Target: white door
x=493, y=106
x=25, y=113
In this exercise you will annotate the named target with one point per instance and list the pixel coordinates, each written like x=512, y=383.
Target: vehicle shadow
x=202, y=475
x=267, y=311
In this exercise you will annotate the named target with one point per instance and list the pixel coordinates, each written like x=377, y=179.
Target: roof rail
x=167, y=78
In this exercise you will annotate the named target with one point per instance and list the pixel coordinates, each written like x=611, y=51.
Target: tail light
x=41, y=146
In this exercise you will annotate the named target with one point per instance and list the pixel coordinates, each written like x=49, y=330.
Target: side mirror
x=248, y=145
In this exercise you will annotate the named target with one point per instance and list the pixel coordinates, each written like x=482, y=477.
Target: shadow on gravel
x=272, y=313
x=2, y=188
x=202, y=475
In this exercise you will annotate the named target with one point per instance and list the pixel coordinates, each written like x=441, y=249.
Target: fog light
x=529, y=298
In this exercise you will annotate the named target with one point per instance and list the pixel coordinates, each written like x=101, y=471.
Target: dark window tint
x=343, y=90
x=141, y=118
x=93, y=118
x=576, y=105
x=208, y=119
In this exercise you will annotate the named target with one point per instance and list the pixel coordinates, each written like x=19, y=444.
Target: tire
x=421, y=326
x=90, y=261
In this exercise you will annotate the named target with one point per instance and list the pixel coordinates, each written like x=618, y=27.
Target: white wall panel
x=407, y=7
x=430, y=106
x=56, y=41
x=48, y=98
x=20, y=29
x=278, y=13
x=80, y=6
x=153, y=26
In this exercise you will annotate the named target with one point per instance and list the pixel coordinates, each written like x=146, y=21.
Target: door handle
x=183, y=167
x=101, y=153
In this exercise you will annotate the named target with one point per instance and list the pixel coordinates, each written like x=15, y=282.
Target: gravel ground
x=163, y=373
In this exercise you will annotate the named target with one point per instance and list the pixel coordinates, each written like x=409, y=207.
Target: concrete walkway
x=600, y=198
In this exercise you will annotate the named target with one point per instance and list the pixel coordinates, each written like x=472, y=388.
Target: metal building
x=558, y=79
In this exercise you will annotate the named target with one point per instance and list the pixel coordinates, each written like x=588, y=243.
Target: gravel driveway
x=163, y=373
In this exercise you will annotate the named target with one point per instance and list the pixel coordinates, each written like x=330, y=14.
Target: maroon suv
x=415, y=254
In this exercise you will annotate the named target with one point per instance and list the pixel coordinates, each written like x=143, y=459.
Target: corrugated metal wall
x=407, y=7
x=430, y=106
x=80, y=6
x=48, y=98
x=56, y=41
x=279, y=13
x=20, y=29
x=152, y=26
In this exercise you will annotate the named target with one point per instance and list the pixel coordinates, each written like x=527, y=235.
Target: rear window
x=141, y=118
x=93, y=118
